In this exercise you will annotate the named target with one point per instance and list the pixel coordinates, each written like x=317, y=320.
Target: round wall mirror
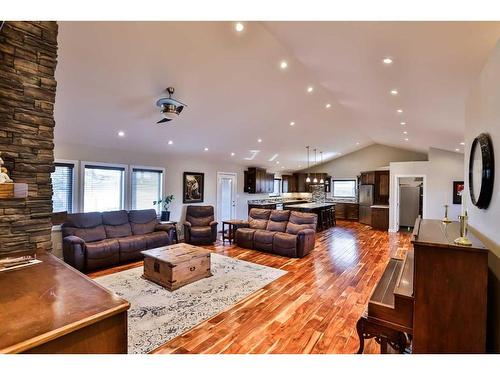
x=481, y=171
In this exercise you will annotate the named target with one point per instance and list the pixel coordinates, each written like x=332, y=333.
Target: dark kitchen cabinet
x=367, y=178
x=288, y=184
x=380, y=218
x=258, y=181
x=381, y=193
x=347, y=211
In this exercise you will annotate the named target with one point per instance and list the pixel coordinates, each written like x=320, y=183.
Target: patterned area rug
x=157, y=315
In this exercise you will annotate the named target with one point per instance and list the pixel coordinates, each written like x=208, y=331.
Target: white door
x=226, y=196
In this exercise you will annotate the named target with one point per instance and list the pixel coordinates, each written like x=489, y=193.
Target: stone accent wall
x=318, y=193
x=28, y=58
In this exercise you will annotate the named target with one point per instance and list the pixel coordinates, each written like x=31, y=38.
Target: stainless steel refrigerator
x=365, y=202
x=409, y=205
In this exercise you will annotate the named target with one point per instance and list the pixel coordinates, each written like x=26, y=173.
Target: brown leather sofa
x=200, y=227
x=282, y=232
x=95, y=240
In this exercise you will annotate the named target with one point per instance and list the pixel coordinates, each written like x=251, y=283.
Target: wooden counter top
x=310, y=206
x=438, y=234
x=47, y=300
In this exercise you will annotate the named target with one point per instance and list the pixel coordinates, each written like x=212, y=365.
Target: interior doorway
x=226, y=196
x=410, y=201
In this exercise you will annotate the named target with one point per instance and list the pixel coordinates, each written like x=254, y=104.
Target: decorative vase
x=165, y=216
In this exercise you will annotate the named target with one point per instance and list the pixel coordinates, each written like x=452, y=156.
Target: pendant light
x=308, y=179
x=321, y=181
x=315, y=180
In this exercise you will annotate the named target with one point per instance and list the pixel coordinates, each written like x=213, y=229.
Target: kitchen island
x=319, y=208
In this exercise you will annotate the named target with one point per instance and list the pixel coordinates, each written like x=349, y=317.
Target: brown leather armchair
x=200, y=227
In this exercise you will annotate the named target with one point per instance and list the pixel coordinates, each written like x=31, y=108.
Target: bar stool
x=333, y=219
x=323, y=219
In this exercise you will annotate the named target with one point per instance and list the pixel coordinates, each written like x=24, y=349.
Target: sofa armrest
x=243, y=224
x=213, y=225
x=74, y=252
x=187, y=231
x=169, y=228
x=306, y=239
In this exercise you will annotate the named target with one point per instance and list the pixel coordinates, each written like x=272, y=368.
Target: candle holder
x=445, y=219
x=463, y=240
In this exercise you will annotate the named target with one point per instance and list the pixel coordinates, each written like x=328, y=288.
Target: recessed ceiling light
x=405, y=132
x=457, y=149
x=310, y=89
x=239, y=27
x=328, y=105
x=462, y=143
x=387, y=61
x=394, y=92
x=232, y=153
x=357, y=143
x=299, y=166
x=403, y=123
x=170, y=142
x=399, y=111
x=283, y=64
x=282, y=167
x=292, y=123
x=205, y=149
x=259, y=140
x=277, y=161
x=406, y=139
x=121, y=133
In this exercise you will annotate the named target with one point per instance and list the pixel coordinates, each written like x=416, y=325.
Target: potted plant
x=165, y=201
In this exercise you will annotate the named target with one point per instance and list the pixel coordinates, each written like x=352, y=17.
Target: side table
x=174, y=223
x=232, y=226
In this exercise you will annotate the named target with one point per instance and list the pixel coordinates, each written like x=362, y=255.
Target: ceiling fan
x=170, y=108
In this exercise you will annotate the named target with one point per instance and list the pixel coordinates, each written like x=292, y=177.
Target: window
x=146, y=188
x=344, y=188
x=277, y=188
x=103, y=188
x=62, y=187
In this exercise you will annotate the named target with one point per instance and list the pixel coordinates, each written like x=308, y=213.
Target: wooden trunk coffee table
x=176, y=265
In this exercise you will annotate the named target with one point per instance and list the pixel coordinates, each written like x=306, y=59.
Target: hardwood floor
x=312, y=309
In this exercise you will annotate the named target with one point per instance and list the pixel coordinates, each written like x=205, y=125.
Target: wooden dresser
x=50, y=307
x=434, y=298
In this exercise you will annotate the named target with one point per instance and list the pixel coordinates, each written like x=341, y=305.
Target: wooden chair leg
x=360, y=327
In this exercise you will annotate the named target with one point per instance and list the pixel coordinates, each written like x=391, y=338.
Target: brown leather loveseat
x=101, y=239
x=282, y=232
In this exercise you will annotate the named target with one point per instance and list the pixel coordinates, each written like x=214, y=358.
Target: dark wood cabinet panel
x=258, y=181
x=380, y=218
x=288, y=183
x=367, y=178
x=381, y=193
x=347, y=211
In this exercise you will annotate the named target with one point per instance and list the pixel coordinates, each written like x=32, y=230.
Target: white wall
x=174, y=168
x=367, y=159
x=439, y=172
x=483, y=116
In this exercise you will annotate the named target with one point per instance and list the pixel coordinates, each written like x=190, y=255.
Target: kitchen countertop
x=384, y=206
x=312, y=206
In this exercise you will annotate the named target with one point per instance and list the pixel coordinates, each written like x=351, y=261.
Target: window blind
x=146, y=188
x=62, y=187
x=103, y=188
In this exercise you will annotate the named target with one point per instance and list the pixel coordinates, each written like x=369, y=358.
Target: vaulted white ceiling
x=110, y=75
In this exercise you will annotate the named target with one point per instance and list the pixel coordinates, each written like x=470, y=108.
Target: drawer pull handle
x=192, y=269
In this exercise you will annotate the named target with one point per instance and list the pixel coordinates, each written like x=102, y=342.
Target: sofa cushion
x=116, y=224
x=201, y=231
x=157, y=239
x=301, y=220
x=88, y=226
x=244, y=237
x=278, y=220
x=263, y=240
x=285, y=244
x=102, y=253
x=257, y=218
x=132, y=243
x=142, y=221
